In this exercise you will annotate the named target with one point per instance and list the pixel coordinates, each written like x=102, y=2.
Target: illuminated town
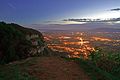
x=81, y=44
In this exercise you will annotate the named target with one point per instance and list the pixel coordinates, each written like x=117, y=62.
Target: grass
x=94, y=72
x=17, y=71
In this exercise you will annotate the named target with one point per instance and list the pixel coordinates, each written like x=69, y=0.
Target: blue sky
x=42, y=11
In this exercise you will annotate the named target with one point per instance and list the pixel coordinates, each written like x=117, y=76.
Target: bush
x=109, y=62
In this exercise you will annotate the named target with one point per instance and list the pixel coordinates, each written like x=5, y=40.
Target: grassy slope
x=94, y=72
x=17, y=71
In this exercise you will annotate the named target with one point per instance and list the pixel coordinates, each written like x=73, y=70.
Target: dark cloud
x=115, y=9
x=93, y=20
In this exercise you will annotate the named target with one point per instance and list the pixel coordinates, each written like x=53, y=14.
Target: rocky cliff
x=18, y=43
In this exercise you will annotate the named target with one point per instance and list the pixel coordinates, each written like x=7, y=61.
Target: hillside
x=18, y=42
x=43, y=68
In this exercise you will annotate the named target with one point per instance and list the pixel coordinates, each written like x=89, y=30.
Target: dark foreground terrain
x=43, y=68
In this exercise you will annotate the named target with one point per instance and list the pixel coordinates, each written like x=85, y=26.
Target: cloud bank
x=115, y=9
x=93, y=20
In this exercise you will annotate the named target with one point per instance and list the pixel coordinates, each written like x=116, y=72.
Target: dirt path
x=55, y=68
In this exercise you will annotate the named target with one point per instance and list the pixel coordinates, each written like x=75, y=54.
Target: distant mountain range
x=77, y=27
x=105, y=30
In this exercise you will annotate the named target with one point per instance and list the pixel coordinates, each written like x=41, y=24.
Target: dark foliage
x=13, y=43
x=109, y=62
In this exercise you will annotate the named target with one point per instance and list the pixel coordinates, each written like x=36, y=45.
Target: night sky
x=53, y=11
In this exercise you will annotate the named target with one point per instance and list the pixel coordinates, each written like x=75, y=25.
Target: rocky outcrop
x=18, y=42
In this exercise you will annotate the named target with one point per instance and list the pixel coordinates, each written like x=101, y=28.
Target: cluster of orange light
x=47, y=39
x=101, y=39
x=64, y=37
x=63, y=48
x=83, y=47
x=84, y=50
x=80, y=42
